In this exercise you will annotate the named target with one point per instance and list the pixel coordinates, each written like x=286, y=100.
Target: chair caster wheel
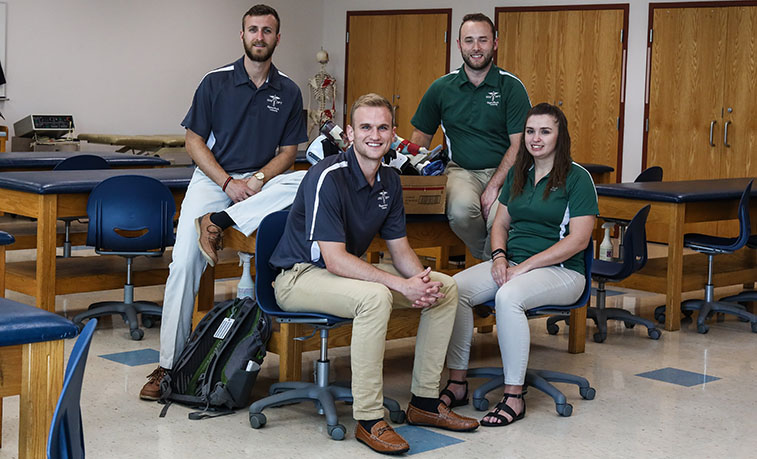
x=398, y=417
x=552, y=329
x=629, y=324
x=754, y=327
x=148, y=321
x=600, y=337
x=257, y=420
x=703, y=328
x=587, y=393
x=337, y=432
x=136, y=334
x=564, y=410
x=660, y=317
x=654, y=333
x=481, y=404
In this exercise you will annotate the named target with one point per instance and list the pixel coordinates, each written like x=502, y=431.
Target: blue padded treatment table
x=31, y=362
x=675, y=207
x=48, y=160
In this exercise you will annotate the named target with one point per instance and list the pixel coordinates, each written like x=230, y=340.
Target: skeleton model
x=323, y=91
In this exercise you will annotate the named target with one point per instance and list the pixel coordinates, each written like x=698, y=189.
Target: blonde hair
x=371, y=100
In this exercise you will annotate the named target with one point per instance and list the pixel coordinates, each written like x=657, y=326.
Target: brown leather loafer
x=444, y=419
x=209, y=238
x=382, y=438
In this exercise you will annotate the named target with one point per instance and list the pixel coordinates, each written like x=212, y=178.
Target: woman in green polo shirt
x=543, y=223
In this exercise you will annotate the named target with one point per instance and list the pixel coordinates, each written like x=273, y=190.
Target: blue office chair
x=77, y=163
x=747, y=295
x=129, y=216
x=634, y=258
x=284, y=393
x=66, y=439
x=711, y=246
x=538, y=379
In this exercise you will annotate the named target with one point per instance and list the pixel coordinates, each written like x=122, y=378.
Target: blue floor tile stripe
x=134, y=358
x=422, y=440
x=680, y=377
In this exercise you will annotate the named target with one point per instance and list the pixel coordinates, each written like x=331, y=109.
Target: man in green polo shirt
x=481, y=109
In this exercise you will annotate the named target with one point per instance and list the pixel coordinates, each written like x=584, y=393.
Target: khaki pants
x=307, y=288
x=464, y=190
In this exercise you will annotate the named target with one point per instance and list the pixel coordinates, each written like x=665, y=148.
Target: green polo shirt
x=537, y=224
x=476, y=121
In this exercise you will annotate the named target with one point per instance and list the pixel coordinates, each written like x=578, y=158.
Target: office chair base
x=287, y=393
x=538, y=379
x=629, y=320
x=128, y=312
x=708, y=308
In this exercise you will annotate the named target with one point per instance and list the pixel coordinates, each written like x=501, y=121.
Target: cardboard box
x=424, y=195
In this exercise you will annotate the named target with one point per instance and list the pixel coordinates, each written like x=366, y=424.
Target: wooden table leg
x=46, y=232
x=290, y=359
x=41, y=383
x=675, y=268
x=577, y=333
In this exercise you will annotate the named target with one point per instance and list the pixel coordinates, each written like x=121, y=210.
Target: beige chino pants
x=307, y=288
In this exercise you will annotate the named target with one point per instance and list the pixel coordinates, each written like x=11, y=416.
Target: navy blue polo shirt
x=335, y=203
x=242, y=124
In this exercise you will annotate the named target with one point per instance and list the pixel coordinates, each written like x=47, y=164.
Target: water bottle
x=246, y=287
x=605, y=248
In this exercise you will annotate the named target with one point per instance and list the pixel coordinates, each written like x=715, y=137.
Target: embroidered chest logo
x=493, y=98
x=383, y=200
x=273, y=103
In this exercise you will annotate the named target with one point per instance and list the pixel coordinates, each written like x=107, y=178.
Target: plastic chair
x=539, y=379
x=77, y=163
x=650, y=174
x=634, y=258
x=284, y=393
x=66, y=439
x=711, y=246
x=129, y=216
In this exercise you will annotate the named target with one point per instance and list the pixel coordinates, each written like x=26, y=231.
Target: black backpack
x=222, y=358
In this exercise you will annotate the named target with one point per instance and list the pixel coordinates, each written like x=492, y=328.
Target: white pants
x=539, y=287
x=203, y=196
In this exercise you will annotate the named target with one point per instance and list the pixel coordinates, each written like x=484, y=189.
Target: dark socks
x=368, y=425
x=426, y=404
x=221, y=219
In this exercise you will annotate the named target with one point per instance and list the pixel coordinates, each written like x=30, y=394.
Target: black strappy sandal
x=502, y=406
x=452, y=399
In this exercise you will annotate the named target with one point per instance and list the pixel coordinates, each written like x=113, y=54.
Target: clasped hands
x=422, y=291
x=240, y=189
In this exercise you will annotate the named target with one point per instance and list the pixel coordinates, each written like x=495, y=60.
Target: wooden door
x=686, y=86
x=580, y=71
x=397, y=56
x=588, y=84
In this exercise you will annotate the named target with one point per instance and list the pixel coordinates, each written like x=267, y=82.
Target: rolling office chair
x=77, y=163
x=284, y=393
x=711, y=246
x=539, y=379
x=747, y=295
x=634, y=258
x=129, y=216
x=650, y=174
x=66, y=439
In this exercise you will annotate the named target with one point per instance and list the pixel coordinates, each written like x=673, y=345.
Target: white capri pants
x=542, y=286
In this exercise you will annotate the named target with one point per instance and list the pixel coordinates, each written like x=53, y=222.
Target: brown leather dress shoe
x=209, y=238
x=382, y=438
x=151, y=389
x=444, y=419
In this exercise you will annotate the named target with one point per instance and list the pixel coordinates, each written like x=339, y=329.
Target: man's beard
x=248, y=49
x=488, y=60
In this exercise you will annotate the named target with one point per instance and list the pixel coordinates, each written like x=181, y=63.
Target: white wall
x=131, y=66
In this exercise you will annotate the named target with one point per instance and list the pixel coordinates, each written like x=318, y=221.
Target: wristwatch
x=259, y=175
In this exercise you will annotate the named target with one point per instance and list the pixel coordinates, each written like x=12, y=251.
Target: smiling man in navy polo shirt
x=240, y=115
x=344, y=201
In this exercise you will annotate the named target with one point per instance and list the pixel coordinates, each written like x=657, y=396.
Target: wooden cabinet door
x=580, y=71
x=686, y=85
x=397, y=56
x=588, y=84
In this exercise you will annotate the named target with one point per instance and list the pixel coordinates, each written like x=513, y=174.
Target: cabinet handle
x=712, y=127
x=725, y=134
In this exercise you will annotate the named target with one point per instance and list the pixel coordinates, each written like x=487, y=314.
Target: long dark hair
x=524, y=160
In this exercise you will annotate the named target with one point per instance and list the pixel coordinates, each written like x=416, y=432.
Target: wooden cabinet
x=702, y=107
x=397, y=55
x=572, y=57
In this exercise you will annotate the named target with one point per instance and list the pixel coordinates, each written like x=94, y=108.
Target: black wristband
x=498, y=251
